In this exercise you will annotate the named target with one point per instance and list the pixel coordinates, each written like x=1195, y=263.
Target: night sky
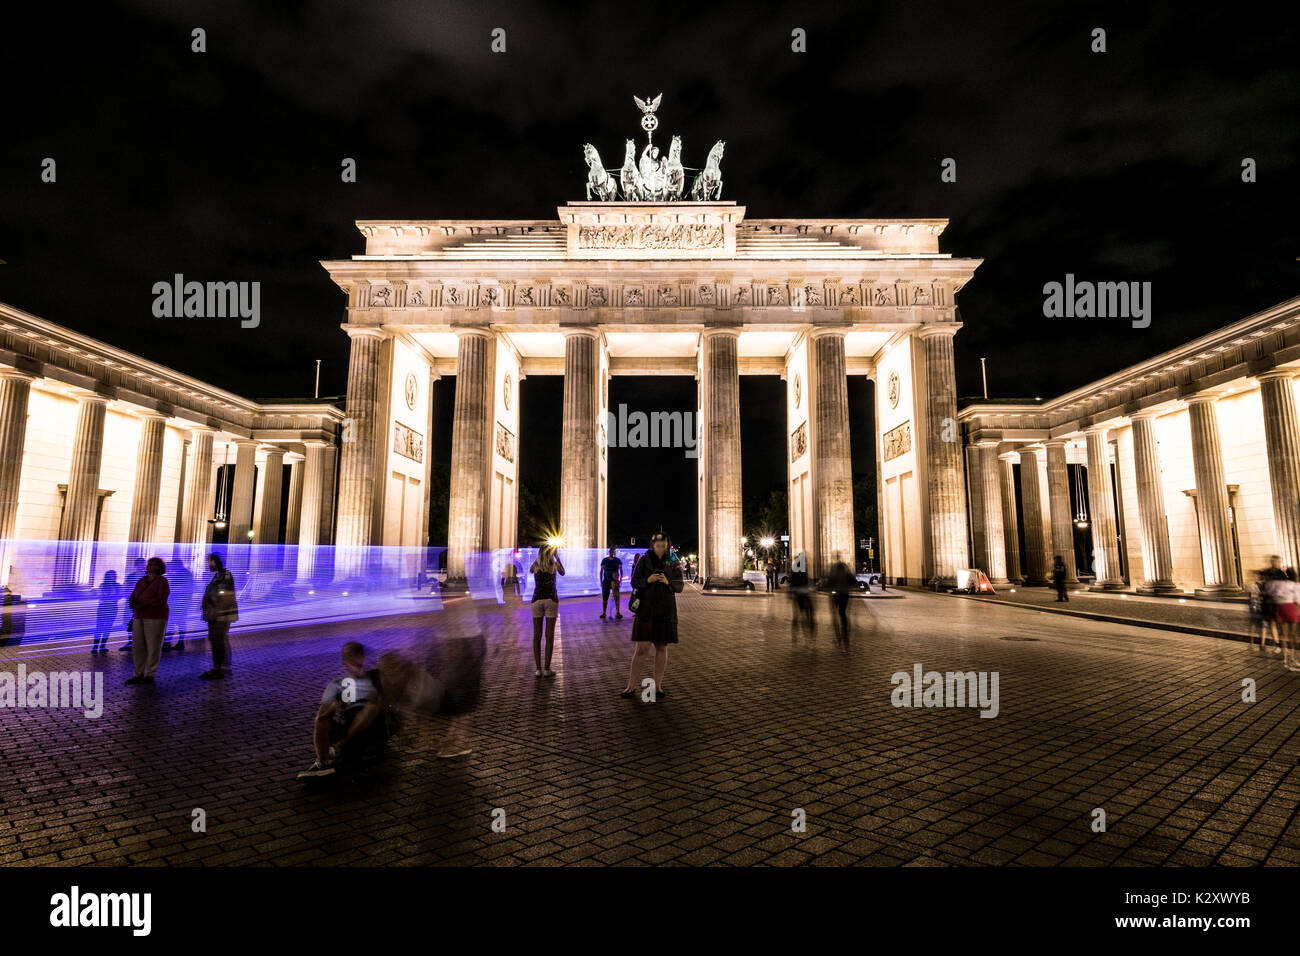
x=225, y=165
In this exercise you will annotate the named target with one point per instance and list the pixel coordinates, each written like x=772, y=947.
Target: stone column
x=991, y=488
x=313, y=483
x=944, y=486
x=579, y=452
x=1058, y=491
x=975, y=489
x=143, y=527
x=329, y=491
x=1010, y=519
x=268, y=522
x=81, y=504
x=357, y=473
x=1157, y=560
x=293, y=515
x=1282, y=440
x=1101, y=499
x=1031, y=503
x=723, y=518
x=242, y=490
x=1211, y=499
x=832, y=458
x=198, y=487
x=15, y=390
x=470, y=448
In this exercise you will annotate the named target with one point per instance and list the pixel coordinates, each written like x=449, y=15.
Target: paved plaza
x=1147, y=725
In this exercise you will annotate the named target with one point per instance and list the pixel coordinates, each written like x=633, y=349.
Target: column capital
x=472, y=332
x=1100, y=430
x=824, y=331
x=716, y=330
x=1202, y=398
x=986, y=442
x=8, y=371
x=1059, y=442
x=1008, y=452
x=271, y=449
x=240, y=442
x=149, y=415
x=366, y=331
x=586, y=331
x=1029, y=450
x=1274, y=373
x=1145, y=415
x=932, y=329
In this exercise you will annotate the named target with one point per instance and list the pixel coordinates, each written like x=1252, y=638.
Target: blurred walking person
x=148, y=604
x=1058, y=578
x=656, y=581
x=611, y=576
x=110, y=599
x=546, y=606
x=461, y=670
x=181, y=583
x=1287, y=602
x=801, y=598
x=839, y=580
x=220, y=610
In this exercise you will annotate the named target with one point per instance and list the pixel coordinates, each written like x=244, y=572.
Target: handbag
x=634, y=602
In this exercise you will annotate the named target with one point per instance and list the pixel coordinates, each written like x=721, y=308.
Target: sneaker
x=661, y=694
x=602, y=617
x=134, y=680
x=548, y=673
x=618, y=617
x=146, y=680
x=317, y=769
x=537, y=673
x=214, y=674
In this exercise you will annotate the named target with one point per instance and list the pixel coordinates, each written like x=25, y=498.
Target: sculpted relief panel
x=650, y=236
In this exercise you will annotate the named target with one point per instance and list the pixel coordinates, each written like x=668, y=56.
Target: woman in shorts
x=546, y=606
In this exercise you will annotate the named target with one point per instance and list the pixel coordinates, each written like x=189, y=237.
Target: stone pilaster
x=313, y=484
x=579, y=451
x=1282, y=439
x=470, y=449
x=1157, y=560
x=81, y=503
x=1101, y=499
x=293, y=515
x=328, y=501
x=1010, y=519
x=15, y=391
x=143, y=528
x=944, y=487
x=975, y=489
x=1058, y=492
x=991, y=487
x=1031, y=503
x=198, y=487
x=1211, y=499
x=723, y=518
x=268, y=521
x=242, y=490
x=358, y=472
x=833, y=460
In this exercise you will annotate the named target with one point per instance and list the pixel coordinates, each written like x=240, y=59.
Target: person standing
x=771, y=575
x=611, y=576
x=110, y=597
x=1058, y=578
x=658, y=579
x=181, y=584
x=220, y=611
x=510, y=578
x=546, y=606
x=148, y=603
x=840, y=579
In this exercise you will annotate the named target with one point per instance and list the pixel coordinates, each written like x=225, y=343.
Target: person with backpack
x=220, y=611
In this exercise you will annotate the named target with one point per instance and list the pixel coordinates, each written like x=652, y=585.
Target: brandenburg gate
x=659, y=281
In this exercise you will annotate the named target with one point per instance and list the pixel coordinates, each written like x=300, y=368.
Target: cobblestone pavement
x=1145, y=724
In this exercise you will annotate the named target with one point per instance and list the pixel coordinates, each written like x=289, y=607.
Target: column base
x=1159, y=587
x=1037, y=582
x=724, y=584
x=1108, y=586
x=1222, y=593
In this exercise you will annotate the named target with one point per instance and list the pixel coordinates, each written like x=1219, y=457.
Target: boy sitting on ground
x=350, y=707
